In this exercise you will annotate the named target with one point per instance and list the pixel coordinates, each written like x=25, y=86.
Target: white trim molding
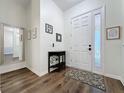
x=37, y=72
x=11, y=67
x=122, y=81
x=113, y=76
x=117, y=77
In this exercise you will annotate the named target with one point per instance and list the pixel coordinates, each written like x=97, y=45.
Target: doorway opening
x=13, y=44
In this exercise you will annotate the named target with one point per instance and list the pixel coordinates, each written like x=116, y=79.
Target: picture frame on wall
x=58, y=37
x=113, y=33
x=48, y=28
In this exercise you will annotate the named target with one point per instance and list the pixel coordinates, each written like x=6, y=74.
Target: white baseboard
x=15, y=66
x=37, y=72
x=122, y=81
x=113, y=76
x=43, y=73
x=11, y=67
x=34, y=71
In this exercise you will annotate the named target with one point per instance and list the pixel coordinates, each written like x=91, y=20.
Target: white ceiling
x=66, y=4
x=63, y=4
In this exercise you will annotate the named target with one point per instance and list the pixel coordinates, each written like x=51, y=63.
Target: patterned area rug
x=86, y=77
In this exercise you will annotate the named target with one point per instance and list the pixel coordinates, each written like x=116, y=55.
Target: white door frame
x=2, y=43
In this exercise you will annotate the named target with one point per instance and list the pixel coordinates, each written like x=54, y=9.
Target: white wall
x=40, y=12
x=51, y=14
x=33, y=46
x=122, y=58
x=12, y=13
x=112, y=63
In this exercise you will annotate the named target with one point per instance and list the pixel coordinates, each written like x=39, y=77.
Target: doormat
x=86, y=77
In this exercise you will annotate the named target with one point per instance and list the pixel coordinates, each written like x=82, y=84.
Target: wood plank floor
x=24, y=81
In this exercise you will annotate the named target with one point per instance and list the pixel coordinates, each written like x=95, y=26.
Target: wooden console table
x=59, y=57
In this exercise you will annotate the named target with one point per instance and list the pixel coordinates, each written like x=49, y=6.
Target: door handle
x=90, y=49
x=89, y=45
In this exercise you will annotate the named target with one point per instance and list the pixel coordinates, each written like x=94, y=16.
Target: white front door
x=81, y=50
x=86, y=51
